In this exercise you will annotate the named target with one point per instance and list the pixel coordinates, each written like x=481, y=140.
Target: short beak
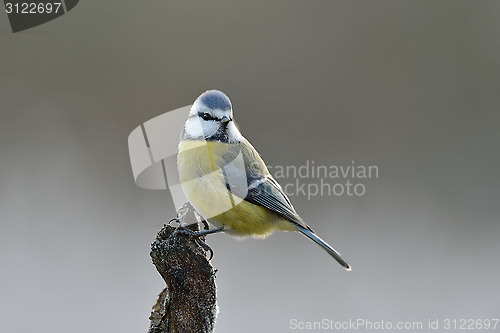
x=225, y=120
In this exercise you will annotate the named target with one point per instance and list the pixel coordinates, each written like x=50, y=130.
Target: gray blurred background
x=410, y=86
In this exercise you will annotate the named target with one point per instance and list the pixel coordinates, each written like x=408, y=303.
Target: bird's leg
x=205, y=224
x=202, y=243
x=174, y=219
x=199, y=234
x=205, y=247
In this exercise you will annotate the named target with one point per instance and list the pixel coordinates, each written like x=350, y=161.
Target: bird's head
x=211, y=118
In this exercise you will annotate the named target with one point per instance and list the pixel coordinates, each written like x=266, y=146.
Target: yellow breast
x=199, y=164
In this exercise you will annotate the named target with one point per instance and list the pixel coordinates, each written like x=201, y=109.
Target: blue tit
x=226, y=180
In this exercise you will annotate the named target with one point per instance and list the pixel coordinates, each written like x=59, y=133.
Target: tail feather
x=331, y=251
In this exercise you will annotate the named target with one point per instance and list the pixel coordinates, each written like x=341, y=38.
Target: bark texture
x=188, y=303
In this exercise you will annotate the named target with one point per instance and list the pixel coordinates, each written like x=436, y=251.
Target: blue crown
x=215, y=99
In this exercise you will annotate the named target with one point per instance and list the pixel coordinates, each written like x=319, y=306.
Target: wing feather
x=258, y=186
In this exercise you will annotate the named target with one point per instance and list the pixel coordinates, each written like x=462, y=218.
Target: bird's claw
x=198, y=234
x=174, y=219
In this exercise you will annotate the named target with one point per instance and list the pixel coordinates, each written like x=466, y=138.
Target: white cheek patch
x=193, y=128
x=200, y=129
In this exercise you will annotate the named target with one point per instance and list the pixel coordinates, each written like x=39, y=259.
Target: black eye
x=207, y=116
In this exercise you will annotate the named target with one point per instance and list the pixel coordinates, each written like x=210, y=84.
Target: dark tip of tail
x=331, y=251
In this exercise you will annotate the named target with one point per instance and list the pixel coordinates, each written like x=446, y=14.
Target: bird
x=226, y=180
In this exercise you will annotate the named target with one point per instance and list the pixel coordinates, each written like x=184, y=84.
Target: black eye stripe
x=207, y=116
